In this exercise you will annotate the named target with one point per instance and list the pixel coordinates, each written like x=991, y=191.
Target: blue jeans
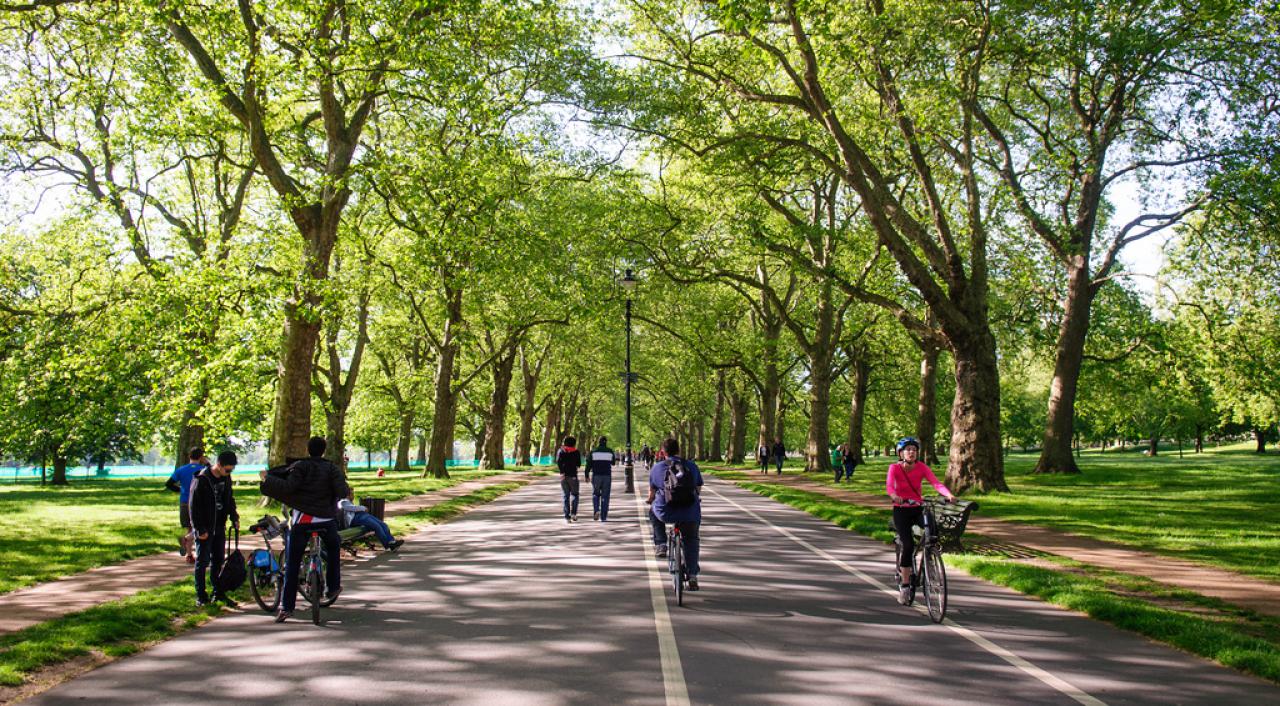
x=378, y=527
x=778, y=460
x=600, y=487
x=689, y=530
x=299, y=542
x=847, y=467
x=569, y=487
x=209, y=556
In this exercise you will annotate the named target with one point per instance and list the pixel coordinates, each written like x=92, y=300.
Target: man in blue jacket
x=600, y=474
x=664, y=510
x=180, y=483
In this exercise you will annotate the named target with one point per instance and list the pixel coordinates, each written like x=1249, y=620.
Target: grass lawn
x=1219, y=507
x=1232, y=636
x=49, y=532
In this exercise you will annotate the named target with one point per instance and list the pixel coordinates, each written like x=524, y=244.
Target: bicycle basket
x=950, y=519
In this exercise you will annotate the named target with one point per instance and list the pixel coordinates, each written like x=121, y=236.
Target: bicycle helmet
x=906, y=441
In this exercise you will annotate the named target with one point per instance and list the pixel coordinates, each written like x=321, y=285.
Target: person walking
x=847, y=463
x=665, y=508
x=312, y=487
x=180, y=483
x=779, y=454
x=212, y=503
x=763, y=455
x=568, y=459
x=600, y=476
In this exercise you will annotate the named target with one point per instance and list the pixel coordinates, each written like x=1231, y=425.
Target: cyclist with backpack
x=675, y=498
x=903, y=486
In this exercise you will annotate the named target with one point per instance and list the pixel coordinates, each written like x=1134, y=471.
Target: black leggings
x=904, y=518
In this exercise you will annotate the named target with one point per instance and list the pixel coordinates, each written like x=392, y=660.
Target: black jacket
x=212, y=502
x=568, y=461
x=312, y=485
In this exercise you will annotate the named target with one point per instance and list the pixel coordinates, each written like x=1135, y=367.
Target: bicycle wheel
x=265, y=585
x=315, y=587
x=677, y=569
x=935, y=584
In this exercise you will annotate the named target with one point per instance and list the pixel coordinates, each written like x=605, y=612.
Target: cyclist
x=903, y=486
x=687, y=519
x=312, y=487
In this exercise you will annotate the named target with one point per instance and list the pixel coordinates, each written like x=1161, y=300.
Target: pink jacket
x=905, y=483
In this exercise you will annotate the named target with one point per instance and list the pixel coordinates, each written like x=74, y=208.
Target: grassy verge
x=122, y=627
x=1216, y=507
x=1227, y=634
x=50, y=532
x=112, y=629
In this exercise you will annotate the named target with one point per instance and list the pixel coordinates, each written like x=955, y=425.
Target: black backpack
x=679, y=488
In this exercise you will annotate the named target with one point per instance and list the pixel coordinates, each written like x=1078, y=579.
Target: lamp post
x=629, y=283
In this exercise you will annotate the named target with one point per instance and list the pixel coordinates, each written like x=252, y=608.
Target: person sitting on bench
x=358, y=516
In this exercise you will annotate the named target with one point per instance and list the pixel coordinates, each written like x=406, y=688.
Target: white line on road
x=672, y=671
x=1013, y=659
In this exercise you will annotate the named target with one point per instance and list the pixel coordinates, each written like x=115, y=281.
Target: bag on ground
x=233, y=571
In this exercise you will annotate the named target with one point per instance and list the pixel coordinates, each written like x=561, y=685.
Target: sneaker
x=567, y=520
x=595, y=516
x=283, y=616
x=693, y=583
x=227, y=601
x=202, y=602
x=904, y=594
x=575, y=518
x=660, y=551
x=332, y=596
x=395, y=545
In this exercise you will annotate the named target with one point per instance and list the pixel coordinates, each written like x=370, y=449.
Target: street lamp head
x=628, y=282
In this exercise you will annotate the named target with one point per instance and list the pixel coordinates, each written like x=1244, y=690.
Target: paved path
x=28, y=606
x=1238, y=589
x=509, y=605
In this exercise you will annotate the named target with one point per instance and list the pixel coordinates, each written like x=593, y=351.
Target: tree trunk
x=405, y=441
x=440, y=448
x=737, y=425
x=717, y=422
x=700, y=439
x=858, y=407
x=926, y=411
x=59, y=470
x=1260, y=439
x=189, y=434
x=335, y=436
x=818, y=445
x=770, y=394
x=1055, y=453
x=529, y=376
x=291, y=427
x=422, y=448
x=1153, y=446
x=481, y=436
x=976, y=462
x=780, y=419
x=1199, y=438
x=496, y=423
x=547, y=447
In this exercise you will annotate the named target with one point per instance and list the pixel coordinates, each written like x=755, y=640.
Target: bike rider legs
x=299, y=542
x=904, y=519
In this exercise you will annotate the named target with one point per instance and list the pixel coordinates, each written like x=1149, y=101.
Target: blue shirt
x=182, y=476
x=690, y=513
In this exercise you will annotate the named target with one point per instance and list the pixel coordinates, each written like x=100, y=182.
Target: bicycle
x=266, y=566
x=675, y=562
x=943, y=522
x=313, y=587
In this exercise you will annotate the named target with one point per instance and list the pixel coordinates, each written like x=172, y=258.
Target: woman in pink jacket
x=903, y=486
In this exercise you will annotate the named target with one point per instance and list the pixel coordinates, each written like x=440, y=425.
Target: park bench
x=951, y=520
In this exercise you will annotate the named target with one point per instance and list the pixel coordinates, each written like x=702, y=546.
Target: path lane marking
x=1043, y=676
x=677, y=691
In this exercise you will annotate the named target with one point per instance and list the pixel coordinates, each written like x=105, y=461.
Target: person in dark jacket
x=212, y=503
x=568, y=458
x=600, y=475
x=762, y=455
x=312, y=487
x=779, y=454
